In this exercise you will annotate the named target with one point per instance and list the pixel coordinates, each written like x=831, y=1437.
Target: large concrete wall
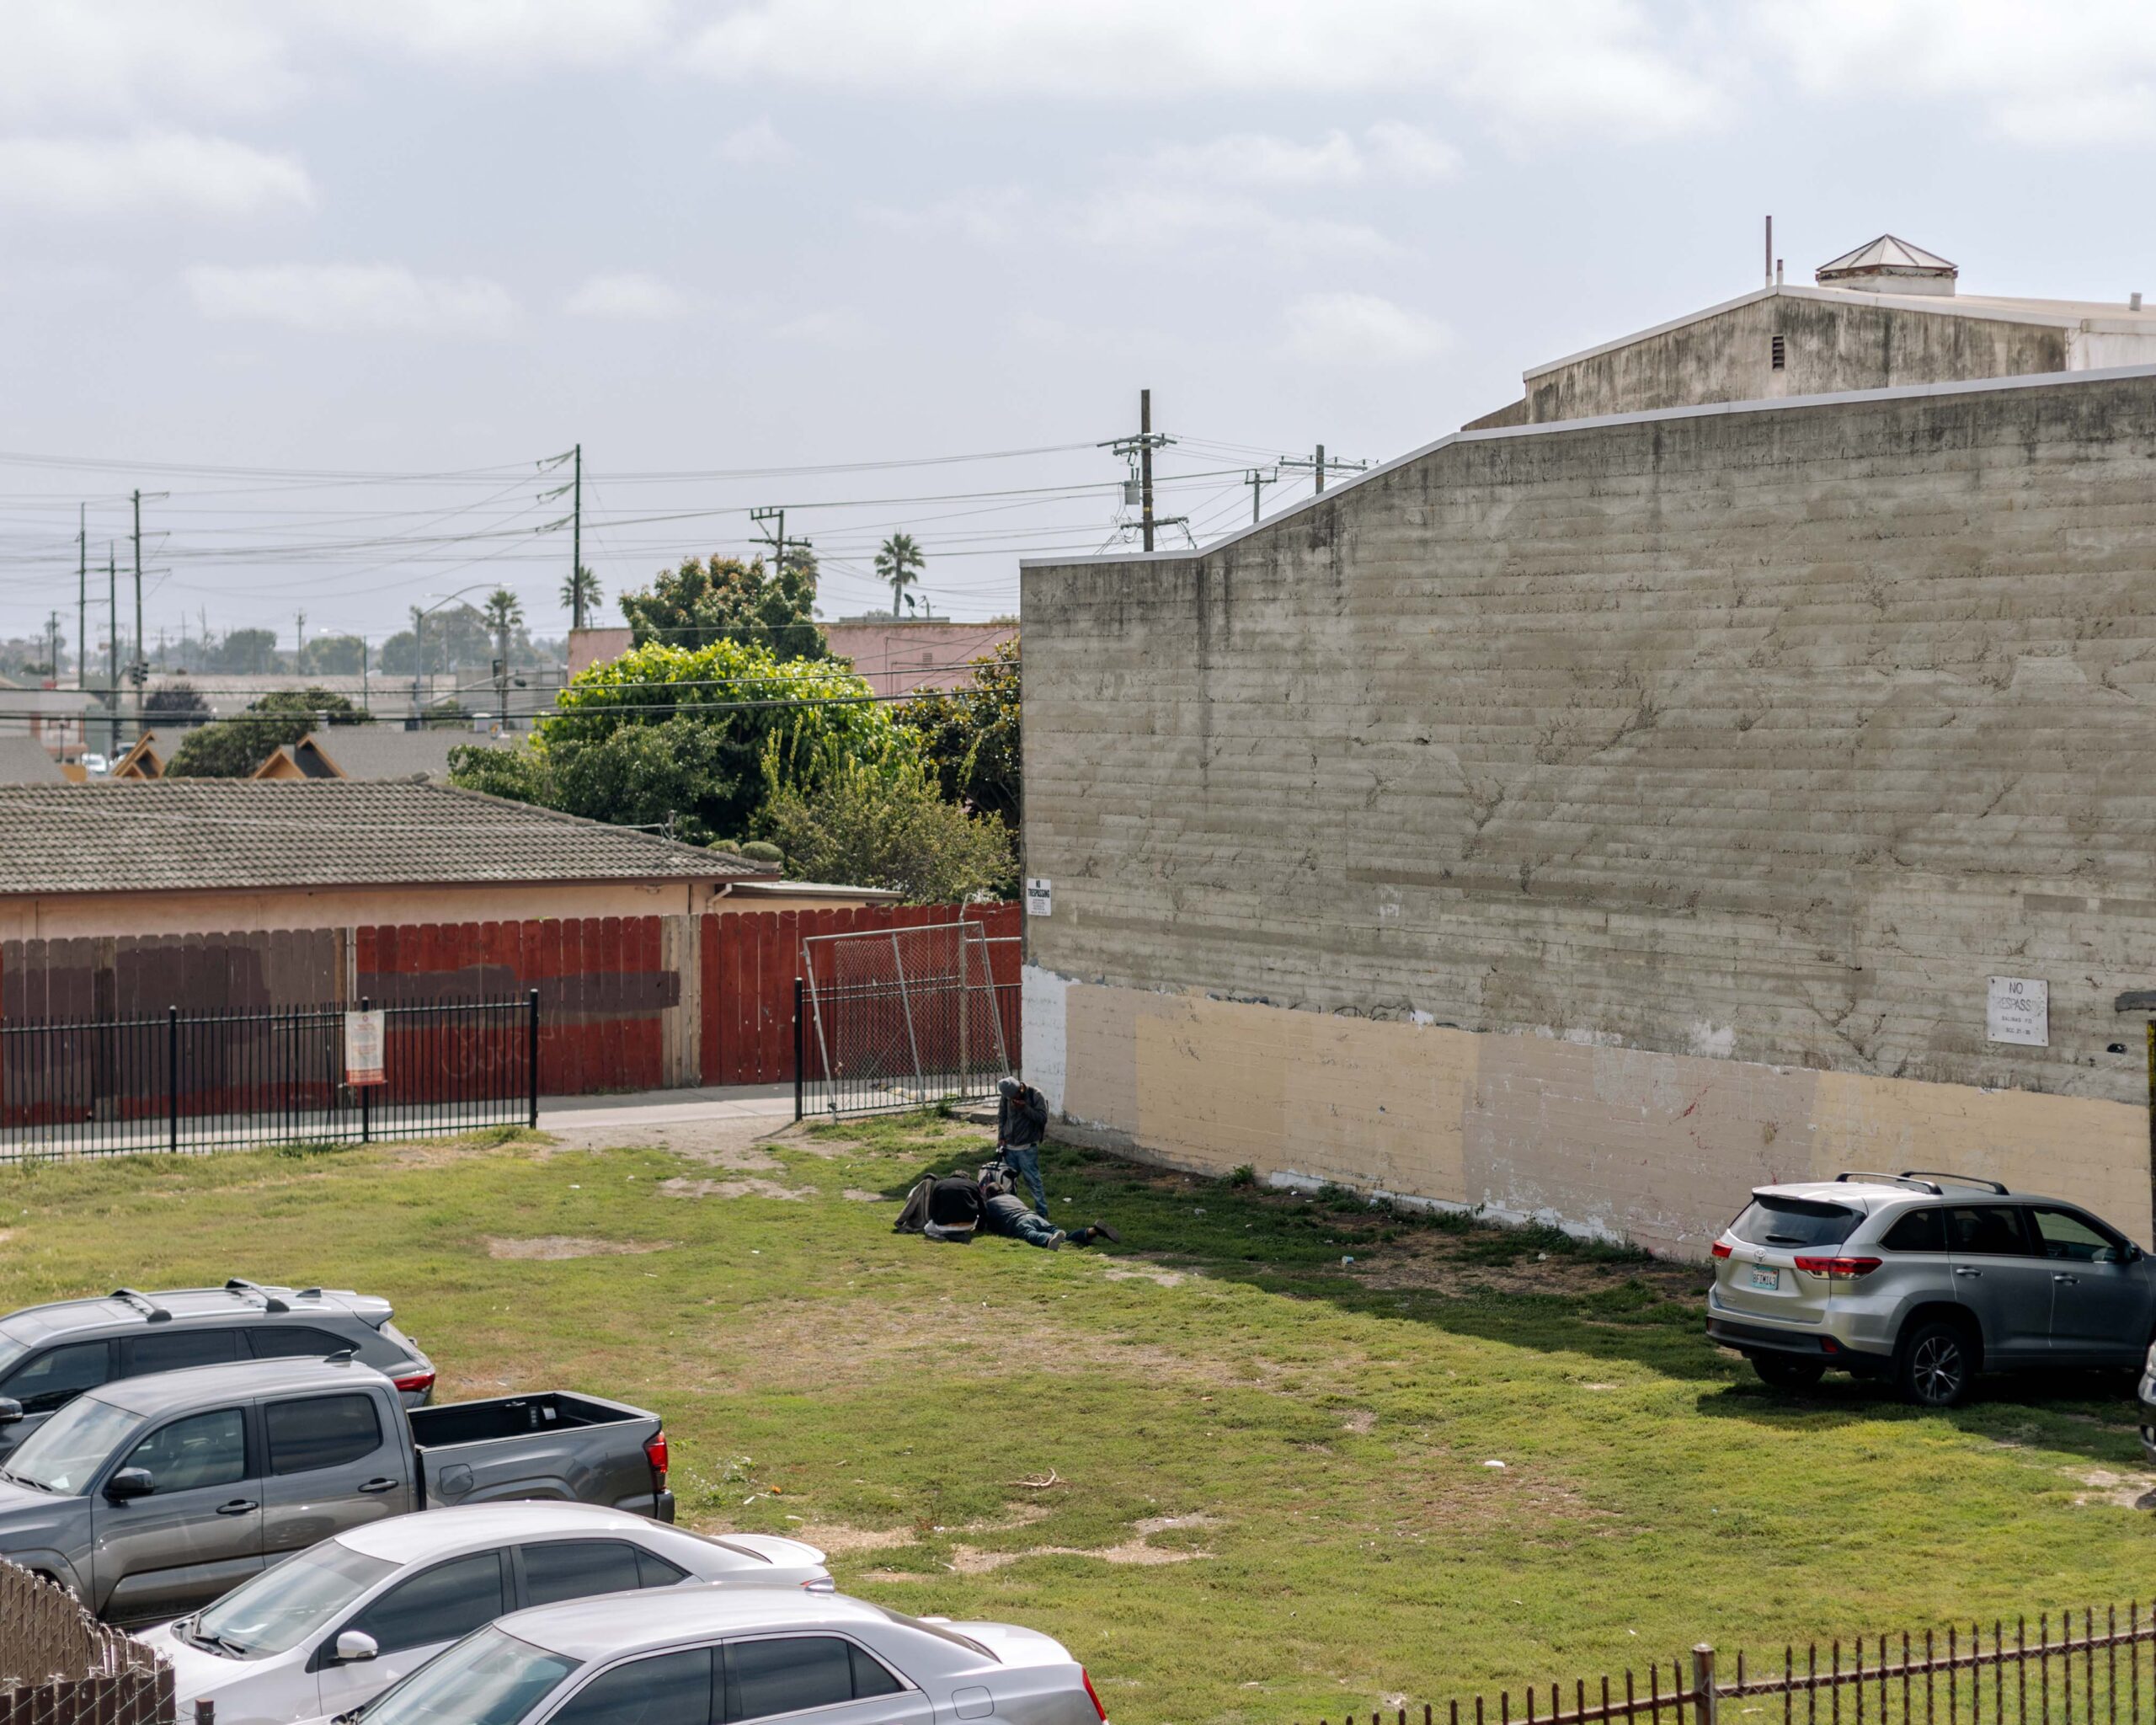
x=1702, y=767
x=1848, y=342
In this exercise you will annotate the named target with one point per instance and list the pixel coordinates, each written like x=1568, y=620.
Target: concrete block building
x=1680, y=786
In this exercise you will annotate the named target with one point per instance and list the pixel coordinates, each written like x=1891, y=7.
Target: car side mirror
x=11, y=1410
x=129, y=1483
x=355, y=1645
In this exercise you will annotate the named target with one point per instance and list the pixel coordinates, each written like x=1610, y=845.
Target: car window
x=175, y=1350
x=668, y=1689
x=1986, y=1230
x=295, y=1342
x=489, y=1678
x=441, y=1604
x=1769, y=1220
x=320, y=1431
x=65, y=1453
x=280, y=1608
x=202, y=1449
x=2065, y=1234
x=573, y=1569
x=58, y=1376
x=655, y=1571
x=1919, y=1231
x=786, y=1674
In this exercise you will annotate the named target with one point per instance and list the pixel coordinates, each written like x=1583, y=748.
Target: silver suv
x=1925, y=1279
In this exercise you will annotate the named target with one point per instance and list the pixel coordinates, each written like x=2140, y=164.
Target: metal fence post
x=800, y=1051
x=1702, y=1684
x=532, y=1058
x=367, y=1090
x=172, y=1080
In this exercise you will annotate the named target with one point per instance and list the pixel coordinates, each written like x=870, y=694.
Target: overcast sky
x=365, y=237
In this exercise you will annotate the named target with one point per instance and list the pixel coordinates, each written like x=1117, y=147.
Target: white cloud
x=344, y=299
x=1162, y=221
x=2044, y=74
x=154, y=172
x=629, y=297
x=1390, y=150
x=1361, y=329
x=73, y=63
x=494, y=35
x=1566, y=64
x=753, y=144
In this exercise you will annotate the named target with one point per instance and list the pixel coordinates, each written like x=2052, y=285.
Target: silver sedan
x=717, y=1656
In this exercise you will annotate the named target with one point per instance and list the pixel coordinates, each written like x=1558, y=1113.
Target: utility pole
x=1139, y=450
x=52, y=647
x=774, y=536
x=138, y=669
x=299, y=643
x=1320, y=466
x=1257, y=479
x=112, y=645
x=81, y=596
x=419, y=658
x=576, y=543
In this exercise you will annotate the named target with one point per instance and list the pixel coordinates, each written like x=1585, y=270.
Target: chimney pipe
x=1770, y=251
x=2133, y=302
x=1778, y=272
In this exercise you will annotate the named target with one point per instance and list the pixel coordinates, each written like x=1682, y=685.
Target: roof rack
x=242, y=1287
x=1957, y=1179
x=1909, y=1180
x=143, y=1303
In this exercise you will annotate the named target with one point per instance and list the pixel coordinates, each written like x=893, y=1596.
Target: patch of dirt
x=751, y=1187
x=836, y=1540
x=734, y=1144
x=2125, y=1491
x=1134, y=1269
x=1362, y=1422
x=861, y=1197
x=968, y=1560
x=554, y=1247
x=1432, y=1261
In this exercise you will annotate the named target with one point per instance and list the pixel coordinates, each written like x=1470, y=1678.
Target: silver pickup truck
x=153, y=1495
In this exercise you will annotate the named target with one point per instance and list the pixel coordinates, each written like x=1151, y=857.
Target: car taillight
x=1722, y=1249
x=1838, y=1269
x=655, y=1452
x=413, y=1383
x=1092, y=1696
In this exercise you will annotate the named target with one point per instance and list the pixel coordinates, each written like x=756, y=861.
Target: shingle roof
x=372, y=751
x=23, y=762
x=173, y=834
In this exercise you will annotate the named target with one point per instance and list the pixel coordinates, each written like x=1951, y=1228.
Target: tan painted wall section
x=1655, y=1148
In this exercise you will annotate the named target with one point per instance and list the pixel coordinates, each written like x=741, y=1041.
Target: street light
x=419, y=646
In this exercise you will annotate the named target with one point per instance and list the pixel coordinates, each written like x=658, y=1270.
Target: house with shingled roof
x=198, y=856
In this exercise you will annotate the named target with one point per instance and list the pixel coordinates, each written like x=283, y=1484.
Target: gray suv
x=1927, y=1280
x=49, y=1354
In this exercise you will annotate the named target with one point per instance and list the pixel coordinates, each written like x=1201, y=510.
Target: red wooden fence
x=751, y=958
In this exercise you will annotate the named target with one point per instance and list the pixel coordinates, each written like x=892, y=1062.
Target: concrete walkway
x=764, y=1102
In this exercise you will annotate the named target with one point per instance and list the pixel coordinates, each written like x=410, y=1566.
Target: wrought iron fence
x=184, y=1082
x=1996, y=1675
x=900, y=1018
x=59, y=1665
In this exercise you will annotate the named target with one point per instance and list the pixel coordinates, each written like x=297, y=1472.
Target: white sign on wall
x=1038, y=897
x=2019, y=1009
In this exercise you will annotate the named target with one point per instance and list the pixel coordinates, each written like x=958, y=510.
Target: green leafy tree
x=698, y=738
x=723, y=599
x=900, y=562
x=970, y=735
x=332, y=656
x=248, y=652
x=174, y=704
x=233, y=748
x=883, y=822
x=581, y=594
x=456, y=638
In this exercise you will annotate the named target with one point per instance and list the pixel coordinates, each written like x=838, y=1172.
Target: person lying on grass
x=954, y=1206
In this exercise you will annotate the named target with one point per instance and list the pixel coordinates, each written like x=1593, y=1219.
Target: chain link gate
x=892, y=1019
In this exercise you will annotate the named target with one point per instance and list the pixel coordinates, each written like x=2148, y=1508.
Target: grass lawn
x=1271, y=1499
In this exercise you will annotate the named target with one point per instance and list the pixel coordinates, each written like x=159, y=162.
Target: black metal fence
x=190, y=1082
x=2002, y=1673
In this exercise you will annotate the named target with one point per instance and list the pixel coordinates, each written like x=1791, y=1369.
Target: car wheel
x=1936, y=1364
x=1785, y=1373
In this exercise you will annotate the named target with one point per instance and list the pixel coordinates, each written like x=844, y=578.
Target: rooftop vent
x=1890, y=266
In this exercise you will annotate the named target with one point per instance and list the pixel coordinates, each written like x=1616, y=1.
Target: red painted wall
x=751, y=958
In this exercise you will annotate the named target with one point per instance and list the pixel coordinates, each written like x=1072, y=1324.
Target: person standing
x=1021, y=1123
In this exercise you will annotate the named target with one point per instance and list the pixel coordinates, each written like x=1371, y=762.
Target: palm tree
x=580, y=597
x=900, y=562
x=502, y=612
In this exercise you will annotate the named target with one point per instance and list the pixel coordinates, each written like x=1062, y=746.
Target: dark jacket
x=1021, y=1119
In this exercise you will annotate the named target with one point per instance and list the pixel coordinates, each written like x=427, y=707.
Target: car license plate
x=1764, y=1277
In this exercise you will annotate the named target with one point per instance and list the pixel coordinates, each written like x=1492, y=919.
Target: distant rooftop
x=1890, y=264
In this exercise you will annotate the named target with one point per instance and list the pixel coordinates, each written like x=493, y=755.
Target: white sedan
x=339, y=1622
